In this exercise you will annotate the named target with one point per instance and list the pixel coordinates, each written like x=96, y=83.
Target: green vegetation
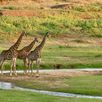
x=22, y=96
x=89, y=85
x=67, y=57
x=53, y=24
x=85, y=20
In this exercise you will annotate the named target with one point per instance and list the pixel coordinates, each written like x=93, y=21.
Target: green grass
x=89, y=85
x=22, y=96
x=67, y=57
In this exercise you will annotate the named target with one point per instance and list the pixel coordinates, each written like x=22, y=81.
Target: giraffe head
x=47, y=35
x=23, y=33
x=36, y=40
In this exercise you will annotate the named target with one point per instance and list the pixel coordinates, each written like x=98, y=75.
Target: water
x=9, y=86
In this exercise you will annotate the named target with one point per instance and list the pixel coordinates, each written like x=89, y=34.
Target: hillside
x=55, y=16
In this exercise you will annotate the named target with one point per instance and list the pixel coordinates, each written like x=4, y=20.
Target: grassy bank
x=89, y=85
x=21, y=96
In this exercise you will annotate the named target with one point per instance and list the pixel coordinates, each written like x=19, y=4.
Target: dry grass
x=44, y=3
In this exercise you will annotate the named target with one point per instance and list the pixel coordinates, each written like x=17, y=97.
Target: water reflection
x=4, y=85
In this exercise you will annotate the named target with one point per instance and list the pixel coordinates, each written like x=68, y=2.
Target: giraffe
x=11, y=54
x=35, y=55
x=25, y=51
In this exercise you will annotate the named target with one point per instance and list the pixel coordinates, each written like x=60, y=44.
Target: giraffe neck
x=16, y=45
x=29, y=47
x=39, y=47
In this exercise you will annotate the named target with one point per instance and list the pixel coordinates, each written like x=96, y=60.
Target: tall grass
x=54, y=24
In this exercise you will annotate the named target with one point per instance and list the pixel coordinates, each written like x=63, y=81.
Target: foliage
x=55, y=25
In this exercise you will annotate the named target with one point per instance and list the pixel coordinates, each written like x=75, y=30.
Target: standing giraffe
x=11, y=54
x=22, y=54
x=35, y=55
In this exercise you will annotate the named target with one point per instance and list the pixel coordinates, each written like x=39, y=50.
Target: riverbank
x=71, y=81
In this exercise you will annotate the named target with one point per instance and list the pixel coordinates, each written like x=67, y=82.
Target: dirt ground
x=27, y=13
x=49, y=74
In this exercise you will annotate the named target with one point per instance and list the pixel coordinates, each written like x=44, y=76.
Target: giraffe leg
x=14, y=66
x=25, y=65
x=1, y=67
x=11, y=68
x=31, y=67
x=38, y=66
x=25, y=70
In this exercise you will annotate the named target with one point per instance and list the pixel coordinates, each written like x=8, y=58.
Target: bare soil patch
x=20, y=13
